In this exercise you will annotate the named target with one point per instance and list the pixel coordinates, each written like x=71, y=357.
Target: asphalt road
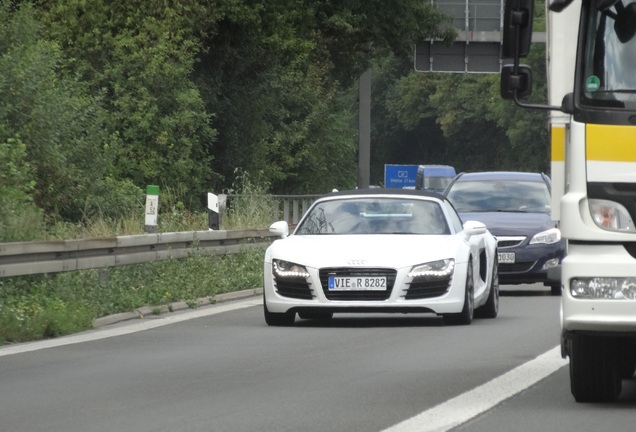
x=220, y=368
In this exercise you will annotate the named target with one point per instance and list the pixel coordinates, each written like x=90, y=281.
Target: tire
x=491, y=308
x=285, y=319
x=315, y=315
x=465, y=317
x=594, y=369
x=555, y=290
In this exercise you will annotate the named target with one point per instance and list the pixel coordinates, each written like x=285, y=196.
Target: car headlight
x=437, y=269
x=286, y=269
x=603, y=288
x=611, y=215
x=550, y=236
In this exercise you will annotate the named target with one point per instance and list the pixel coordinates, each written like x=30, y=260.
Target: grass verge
x=45, y=306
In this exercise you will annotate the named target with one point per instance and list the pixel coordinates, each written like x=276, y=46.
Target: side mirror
x=280, y=228
x=625, y=24
x=521, y=82
x=517, y=30
x=472, y=228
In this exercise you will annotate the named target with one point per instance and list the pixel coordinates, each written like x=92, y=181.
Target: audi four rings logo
x=357, y=262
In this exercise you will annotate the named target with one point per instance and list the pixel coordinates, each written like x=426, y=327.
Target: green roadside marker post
x=152, y=208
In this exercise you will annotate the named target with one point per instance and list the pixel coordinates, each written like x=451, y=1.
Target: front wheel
x=285, y=319
x=555, y=290
x=465, y=317
x=594, y=371
x=491, y=308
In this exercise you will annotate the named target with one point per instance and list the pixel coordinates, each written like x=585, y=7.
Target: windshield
x=610, y=57
x=437, y=183
x=375, y=216
x=500, y=196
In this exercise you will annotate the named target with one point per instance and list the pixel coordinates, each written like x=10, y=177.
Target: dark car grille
x=428, y=288
x=294, y=288
x=518, y=267
x=506, y=242
x=358, y=294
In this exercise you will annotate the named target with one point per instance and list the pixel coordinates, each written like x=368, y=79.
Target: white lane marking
x=137, y=326
x=466, y=406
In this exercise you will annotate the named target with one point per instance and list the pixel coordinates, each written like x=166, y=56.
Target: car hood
x=363, y=250
x=512, y=224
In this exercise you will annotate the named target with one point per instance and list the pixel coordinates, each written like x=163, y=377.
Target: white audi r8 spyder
x=381, y=250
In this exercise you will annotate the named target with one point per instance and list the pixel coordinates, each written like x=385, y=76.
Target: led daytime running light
x=420, y=272
x=295, y=271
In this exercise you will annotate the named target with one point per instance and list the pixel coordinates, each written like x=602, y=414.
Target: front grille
x=506, y=242
x=428, y=288
x=358, y=294
x=518, y=267
x=293, y=288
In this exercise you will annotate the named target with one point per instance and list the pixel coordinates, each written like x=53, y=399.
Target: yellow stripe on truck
x=558, y=143
x=610, y=143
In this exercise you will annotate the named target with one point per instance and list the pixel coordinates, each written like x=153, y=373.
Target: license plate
x=357, y=283
x=506, y=257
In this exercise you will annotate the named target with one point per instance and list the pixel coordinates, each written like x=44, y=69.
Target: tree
x=60, y=124
x=140, y=55
x=279, y=73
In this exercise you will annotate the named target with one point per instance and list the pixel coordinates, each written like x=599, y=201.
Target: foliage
x=20, y=218
x=281, y=75
x=250, y=205
x=140, y=54
x=456, y=119
x=70, y=153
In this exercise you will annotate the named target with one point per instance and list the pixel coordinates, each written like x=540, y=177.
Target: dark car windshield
x=500, y=196
x=375, y=216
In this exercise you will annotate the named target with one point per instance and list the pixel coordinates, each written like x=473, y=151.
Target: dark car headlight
x=434, y=269
x=550, y=236
x=286, y=269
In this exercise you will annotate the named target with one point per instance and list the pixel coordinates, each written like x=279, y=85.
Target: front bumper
x=529, y=264
x=597, y=315
x=311, y=295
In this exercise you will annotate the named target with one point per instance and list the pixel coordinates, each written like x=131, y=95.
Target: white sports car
x=381, y=250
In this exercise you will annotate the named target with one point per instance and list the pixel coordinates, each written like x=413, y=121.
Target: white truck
x=591, y=72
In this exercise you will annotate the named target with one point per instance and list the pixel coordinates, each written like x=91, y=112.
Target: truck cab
x=591, y=58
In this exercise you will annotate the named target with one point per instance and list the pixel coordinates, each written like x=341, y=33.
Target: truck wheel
x=594, y=371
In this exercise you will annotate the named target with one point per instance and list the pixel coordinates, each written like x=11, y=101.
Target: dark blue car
x=515, y=206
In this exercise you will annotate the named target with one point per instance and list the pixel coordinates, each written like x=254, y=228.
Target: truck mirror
x=519, y=82
x=625, y=22
x=605, y=4
x=517, y=29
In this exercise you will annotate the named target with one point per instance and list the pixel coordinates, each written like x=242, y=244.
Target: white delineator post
x=213, y=212
x=152, y=208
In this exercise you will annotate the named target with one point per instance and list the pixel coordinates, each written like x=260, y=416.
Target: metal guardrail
x=39, y=257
